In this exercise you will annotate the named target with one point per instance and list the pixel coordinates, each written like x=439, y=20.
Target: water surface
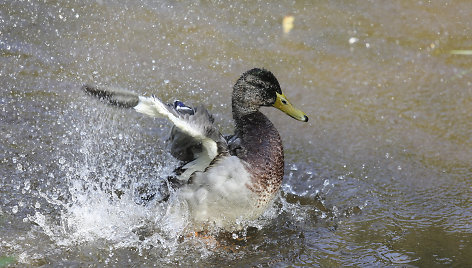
x=379, y=176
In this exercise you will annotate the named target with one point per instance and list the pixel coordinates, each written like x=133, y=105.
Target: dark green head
x=256, y=87
x=259, y=87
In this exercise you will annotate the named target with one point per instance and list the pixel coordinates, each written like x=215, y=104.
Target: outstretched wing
x=196, y=125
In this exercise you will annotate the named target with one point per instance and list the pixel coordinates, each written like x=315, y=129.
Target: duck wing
x=182, y=146
x=190, y=131
x=194, y=132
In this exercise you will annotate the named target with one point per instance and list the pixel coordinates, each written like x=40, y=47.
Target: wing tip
x=115, y=97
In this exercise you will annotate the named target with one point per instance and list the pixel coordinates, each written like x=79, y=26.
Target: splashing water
x=100, y=202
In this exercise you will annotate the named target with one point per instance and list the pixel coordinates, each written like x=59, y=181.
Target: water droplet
x=353, y=40
x=14, y=209
x=27, y=185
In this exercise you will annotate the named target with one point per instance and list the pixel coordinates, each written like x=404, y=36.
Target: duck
x=225, y=181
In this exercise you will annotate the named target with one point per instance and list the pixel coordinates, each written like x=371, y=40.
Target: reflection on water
x=379, y=176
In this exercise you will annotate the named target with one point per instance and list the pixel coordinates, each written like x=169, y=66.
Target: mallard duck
x=225, y=180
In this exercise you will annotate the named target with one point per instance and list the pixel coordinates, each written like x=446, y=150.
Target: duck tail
x=113, y=96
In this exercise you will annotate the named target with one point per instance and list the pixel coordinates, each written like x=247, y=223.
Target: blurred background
x=381, y=175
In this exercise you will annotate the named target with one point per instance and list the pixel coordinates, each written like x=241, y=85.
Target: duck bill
x=285, y=106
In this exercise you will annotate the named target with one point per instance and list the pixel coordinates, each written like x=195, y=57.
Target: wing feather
x=199, y=126
x=196, y=123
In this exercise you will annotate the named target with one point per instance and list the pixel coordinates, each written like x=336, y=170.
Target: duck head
x=259, y=87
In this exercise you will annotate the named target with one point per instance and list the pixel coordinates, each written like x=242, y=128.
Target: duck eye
x=284, y=101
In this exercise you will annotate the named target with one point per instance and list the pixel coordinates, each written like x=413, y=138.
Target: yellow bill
x=285, y=106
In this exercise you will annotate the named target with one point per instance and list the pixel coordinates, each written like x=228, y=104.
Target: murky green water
x=381, y=175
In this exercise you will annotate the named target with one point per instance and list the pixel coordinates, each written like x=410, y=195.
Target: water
x=379, y=176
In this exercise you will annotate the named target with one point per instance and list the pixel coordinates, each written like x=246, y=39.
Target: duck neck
x=259, y=138
x=242, y=101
